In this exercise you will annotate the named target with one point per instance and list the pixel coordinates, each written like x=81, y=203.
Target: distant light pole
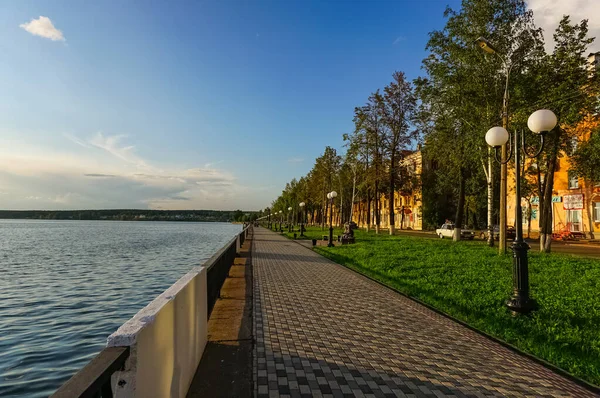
x=280, y=220
x=289, y=219
x=331, y=195
x=302, y=204
x=269, y=218
x=539, y=122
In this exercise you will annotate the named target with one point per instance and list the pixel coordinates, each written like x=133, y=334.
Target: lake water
x=66, y=285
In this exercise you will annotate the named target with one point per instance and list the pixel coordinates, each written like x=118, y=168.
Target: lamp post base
x=520, y=302
x=330, y=244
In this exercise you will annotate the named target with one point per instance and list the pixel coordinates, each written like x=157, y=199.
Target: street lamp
x=540, y=122
x=331, y=195
x=289, y=218
x=280, y=220
x=486, y=46
x=302, y=204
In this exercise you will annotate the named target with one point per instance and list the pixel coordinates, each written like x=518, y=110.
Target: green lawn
x=469, y=281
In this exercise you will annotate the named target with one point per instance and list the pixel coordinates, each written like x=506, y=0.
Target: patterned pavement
x=324, y=331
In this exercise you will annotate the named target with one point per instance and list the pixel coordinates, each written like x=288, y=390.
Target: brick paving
x=324, y=331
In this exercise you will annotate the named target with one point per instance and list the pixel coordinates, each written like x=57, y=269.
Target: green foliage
x=586, y=159
x=469, y=281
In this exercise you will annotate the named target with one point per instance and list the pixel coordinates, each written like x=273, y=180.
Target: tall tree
x=563, y=84
x=463, y=88
x=398, y=107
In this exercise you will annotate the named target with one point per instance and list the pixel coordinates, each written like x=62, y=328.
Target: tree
x=563, y=84
x=585, y=161
x=368, y=135
x=398, y=107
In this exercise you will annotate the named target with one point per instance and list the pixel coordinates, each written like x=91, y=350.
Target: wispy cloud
x=104, y=171
x=43, y=27
x=96, y=175
x=76, y=140
x=295, y=160
x=112, y=144
x=398, y=40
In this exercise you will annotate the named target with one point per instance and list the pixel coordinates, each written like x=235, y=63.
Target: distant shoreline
x=128, y=215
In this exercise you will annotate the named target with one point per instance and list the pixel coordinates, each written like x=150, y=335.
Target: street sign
x=536, y=200
x=573, y=202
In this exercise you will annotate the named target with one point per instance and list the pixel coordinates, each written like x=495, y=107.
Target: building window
x=574, y=144
x=596, y=211
x=573, y=180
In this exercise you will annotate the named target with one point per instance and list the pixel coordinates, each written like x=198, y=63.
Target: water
x=66, y=285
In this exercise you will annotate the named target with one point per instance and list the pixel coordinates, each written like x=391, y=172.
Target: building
x=575, y=206
x=407, y=199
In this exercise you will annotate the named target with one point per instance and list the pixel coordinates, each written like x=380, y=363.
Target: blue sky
x=215, y=104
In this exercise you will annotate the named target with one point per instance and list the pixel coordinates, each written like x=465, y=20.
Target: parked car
x=511, y=233
x=447, y=231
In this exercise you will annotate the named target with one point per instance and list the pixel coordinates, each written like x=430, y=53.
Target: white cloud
x=548, y=13
x=76, y=140
x=398, y=40
x=43, y=27
x=105, y=172
x=112, y=144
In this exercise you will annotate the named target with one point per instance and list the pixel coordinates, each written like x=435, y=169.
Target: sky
x=195, y=104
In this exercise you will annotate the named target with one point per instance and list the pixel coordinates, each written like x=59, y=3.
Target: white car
x=447, y=231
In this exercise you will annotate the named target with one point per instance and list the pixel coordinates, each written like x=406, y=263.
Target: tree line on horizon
x=133, y=215
x=449, y=110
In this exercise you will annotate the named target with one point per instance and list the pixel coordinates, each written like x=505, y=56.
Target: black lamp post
x=302, y=204
x=290, y=219
x=280, y=220
x=269, y=218
x=539, y=122
x=331, y=195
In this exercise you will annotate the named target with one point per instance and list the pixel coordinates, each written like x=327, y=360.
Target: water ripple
x=65, y=286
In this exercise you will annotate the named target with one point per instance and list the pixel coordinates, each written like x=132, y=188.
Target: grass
x=469, y=281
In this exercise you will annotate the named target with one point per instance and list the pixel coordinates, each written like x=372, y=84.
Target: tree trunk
x=460, y=208
x=490, y=186
x=546, y=202
x=368, y=209
x=590, y=208
x=402, y=217
x=353, y=195
x=391, y=199
x=377, y=215
x=528, y=218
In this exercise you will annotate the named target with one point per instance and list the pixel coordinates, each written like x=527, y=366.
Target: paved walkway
x=322, y=330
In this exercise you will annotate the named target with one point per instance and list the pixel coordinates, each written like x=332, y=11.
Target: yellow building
x=407, y=200
x=573, y=203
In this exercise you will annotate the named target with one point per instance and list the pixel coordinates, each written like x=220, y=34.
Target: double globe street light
x=302, y=204
x=540, y=122
x=290, y=219
x=331, y=195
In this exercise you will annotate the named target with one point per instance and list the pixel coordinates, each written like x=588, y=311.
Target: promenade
x=322, y=330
